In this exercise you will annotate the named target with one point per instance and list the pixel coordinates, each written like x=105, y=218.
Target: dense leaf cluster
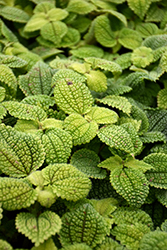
x=83, y=113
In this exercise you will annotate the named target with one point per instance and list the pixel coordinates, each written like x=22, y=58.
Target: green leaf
x=118, y=102
x=142, y=56
x=80, y=7
x=154, y=239
x=161, y=196
x=86, y=161
x=67, y=181
x=162, y=98
x=36, y=22
x=43, y=101
x=105, y=206
x=103, y=32
x=77, y=246
x=117, y=137
x=104, y=64
x=158, y=175
x=57, y=144
x=80, y=129
x=112, y=163
x=153, y=136
x=140, y=7
x=16, y=193
x=45, y=53
x=27, y=126
x=117, y=14
x=37, y=80
x=20, y=153
x=5, y=245
x=131, y=184
x=12, y=61
x=157, y=119
x=2, y=93
x=147, y=29
x=129, y=38
x=102, y=115
x=70, y=93
x=58, y=63
x=25, y=111
x=138, y=165
x=38, y=229
x=124, y=60
x=97, y=81
x=155, y=41
x=14, y=14
x=54, y=31
x=83, y=224
x=70, y=38
x=87, y=51
x=46, y=245
x=130, y=235
x=57, y=14
x=81, y=23
x=155, y=14
x=7, y=76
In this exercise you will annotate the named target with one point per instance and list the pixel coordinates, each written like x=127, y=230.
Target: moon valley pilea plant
x=83, y=114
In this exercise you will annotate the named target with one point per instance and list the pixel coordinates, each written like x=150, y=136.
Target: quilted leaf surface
x=140, y=7
x=67, y=181
x=154, y=240
x=20, y=153
x=38, y=229
x=12, y=61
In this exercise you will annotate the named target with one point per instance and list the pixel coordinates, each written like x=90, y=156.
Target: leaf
x=38, y=229
x=7, y=76
x=155, y=41
x=136, y=164
x=80, y=7
x=77, y=246
x=12, y=61
x=103, y=32
x=124, y=60
x=117, y=137
x=59, y=63
x=157, y=119
x=142, y=56
x=57, y=14
x=112, y=163
x=147, y=29
x=104, y=64
x=20, y=153
x=43, y=101
x=153, y=136
x=5, y=245
x=2, y=93
x=140, y=7
x=157, y=176
x=37, y=80
x=130, y=235
x=118, y=102
x=129, y=38
x=36, y=22
x=117, y=14
x=162, y=98
x=57, y=144
x=97, y=81
x=25, y=111
x=45, y=53
x=14, y=14
x=70, y=38
x=102, y=115
x=80, y=129
x=86, y=161
x=131, y=184
x=46, y=245
x=81, y=23
x=27, y=126
x=155, y=14
x=54, y=31
x=16, y=193
x=156, y=238
x=70, y=93
x=87, y=51
x=67, y=181
x=76, y=226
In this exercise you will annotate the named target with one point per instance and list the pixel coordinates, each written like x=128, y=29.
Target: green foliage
x=83, y=124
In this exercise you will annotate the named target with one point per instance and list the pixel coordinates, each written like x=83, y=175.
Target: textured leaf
x=155, y=14
x=16, y=193
x=158, y=175
x=104, y=64
x=31, y=59
x=161, y=196
x=5, y=245
x=87, y=51
x=117, y=137
x=77, y=246
x=157, y=120
x=25, y=111
x=112, y=163
x=86, y=161
x=71, y=95
x=129, y=38
x=136, y=164
x=153, y=136
x=103, y=33
x=140, y=7
x=124, y=60
x=7, y=77
x=154, y=240
x=97, y=81
x=118, y=102
x=81, y=23
x=37, y=80
x=57, y=14
x=111, y=244
x=38, y=229
x=12, y=61
x=162, y=98
x=115, y=88
x=14, y=14
x=57, y=144
x=67, y=181
x=46, y=197
x=83, y=224
x=36, y=22
x=80, y=7
x=58, y=63
x=27, y=126
x=2, y=93
x=102, y=115
x=70, y=38
x=147, y=29
x=43, y=101
x=45, y=53
x=142, y=56
x=54, y=31
x=46, y=245
x=105, y=206
x=117, y=14
x=20, y=153
x=155, y=41
x=130, y=235
x=131, y=184
x=80, y=129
